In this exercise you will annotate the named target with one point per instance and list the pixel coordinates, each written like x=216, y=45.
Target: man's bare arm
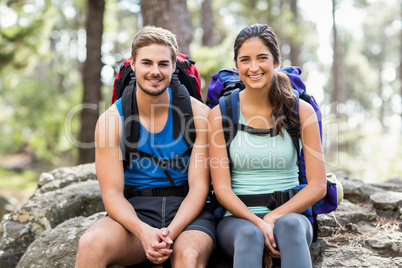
x=198, y=173
x=110, y=172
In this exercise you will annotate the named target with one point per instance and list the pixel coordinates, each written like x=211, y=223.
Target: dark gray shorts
x=159, y=211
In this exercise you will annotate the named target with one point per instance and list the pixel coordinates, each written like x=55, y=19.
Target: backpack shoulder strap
x=183, y=121
x=230, y=110
x=294, y=130
x=131, y=122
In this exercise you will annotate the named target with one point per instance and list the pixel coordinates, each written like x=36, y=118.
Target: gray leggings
x=243, y=240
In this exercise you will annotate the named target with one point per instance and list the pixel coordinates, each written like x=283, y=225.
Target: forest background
x=58, y=59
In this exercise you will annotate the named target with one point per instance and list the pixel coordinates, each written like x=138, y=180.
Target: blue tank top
x=143, y=172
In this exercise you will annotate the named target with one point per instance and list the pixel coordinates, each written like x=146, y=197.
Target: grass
x=12, y=180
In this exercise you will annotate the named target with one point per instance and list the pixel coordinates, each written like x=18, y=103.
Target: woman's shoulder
x=306, y=112
x=215, y=114
x=215, y=111
x=215, y=117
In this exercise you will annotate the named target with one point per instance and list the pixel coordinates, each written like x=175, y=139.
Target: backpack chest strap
x=172, y=163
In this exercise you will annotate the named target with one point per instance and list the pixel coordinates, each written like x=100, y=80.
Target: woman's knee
x=292, y=226
x=250, y=236
x=291, y=221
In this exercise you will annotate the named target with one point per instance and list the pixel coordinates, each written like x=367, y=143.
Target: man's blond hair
x=154, y=35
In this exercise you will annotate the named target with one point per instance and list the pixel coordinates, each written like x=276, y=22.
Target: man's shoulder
x=108, y=118
x=200, y=113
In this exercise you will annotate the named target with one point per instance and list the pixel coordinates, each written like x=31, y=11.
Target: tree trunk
x=295, y=46
x=335, y=64
x=91, y=80
x=172, y=15
x=207, y=20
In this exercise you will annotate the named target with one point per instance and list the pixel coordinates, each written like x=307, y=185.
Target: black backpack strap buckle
x=130, y=191
x=272, y=203
x=147, y=192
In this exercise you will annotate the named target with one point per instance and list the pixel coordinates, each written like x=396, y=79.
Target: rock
x=57, y=247
x=7, y=205
x=394, y=184
x=46, y=230
x=358, y=192
x=54, y=207
x=344, y=217
x=387, y=204
x=357, y=257
x=72, y=196
x=62, y=177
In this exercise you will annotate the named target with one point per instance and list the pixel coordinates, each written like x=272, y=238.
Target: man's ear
x=132, y=63
x=174, y=66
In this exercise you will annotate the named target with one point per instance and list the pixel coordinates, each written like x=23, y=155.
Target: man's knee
x=189, y=256
x=192, y=249
x=89, y=253
x=90, y=243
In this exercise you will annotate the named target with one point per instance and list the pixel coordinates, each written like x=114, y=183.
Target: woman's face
x=255, y=64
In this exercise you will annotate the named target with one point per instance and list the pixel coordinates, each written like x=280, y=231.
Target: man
x=152, y=227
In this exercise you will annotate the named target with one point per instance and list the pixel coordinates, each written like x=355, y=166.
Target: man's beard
x=152, y=92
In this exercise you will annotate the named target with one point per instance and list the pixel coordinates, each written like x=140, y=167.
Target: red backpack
x=185, y=67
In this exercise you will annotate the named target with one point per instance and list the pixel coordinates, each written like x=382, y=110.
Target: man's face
x=153, y=68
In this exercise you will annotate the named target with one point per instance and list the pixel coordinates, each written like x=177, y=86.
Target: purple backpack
x=224, y=81
x=224, y=90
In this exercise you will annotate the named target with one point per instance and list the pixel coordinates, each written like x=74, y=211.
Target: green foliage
x=38, y=110
x=375, y=156
x=21, y=40
x=211, y=59
x=42, y=53
x=120, y=27
x=18, y=180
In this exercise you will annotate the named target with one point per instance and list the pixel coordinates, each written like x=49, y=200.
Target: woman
x=262, y=164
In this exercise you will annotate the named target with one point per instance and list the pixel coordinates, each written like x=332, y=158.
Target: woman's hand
x=267, y=229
